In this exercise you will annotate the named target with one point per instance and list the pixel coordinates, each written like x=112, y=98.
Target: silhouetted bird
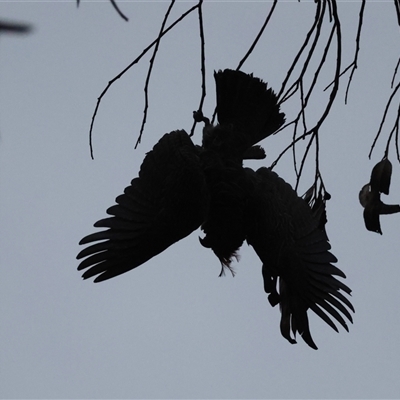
x=182, y=187
x=370, y=196
x=14, y=27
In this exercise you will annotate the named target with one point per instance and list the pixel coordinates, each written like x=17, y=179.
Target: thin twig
x=115, y=5
x=260, y=33
x=394, y=128
x=123, y=16
x=358, y=38
x=322, y=62
x=338, y=64
x=310, y=54
x=317, y=171
x=203, y=63
x=289, y=146
x=151, y=64
x=395, y=73
x=105, y=90
x=353, y=65
x=298, y=55
x=314, y=133
x=397, y=135
x=384, y=118
x=397, y=6
x=305, y=93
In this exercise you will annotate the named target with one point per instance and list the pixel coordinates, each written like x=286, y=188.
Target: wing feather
x=295, y=252
x=164, y=204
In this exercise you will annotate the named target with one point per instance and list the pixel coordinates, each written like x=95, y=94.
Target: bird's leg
x=270, y=285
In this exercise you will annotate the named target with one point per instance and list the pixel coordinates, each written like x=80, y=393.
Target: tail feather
x=248, y=104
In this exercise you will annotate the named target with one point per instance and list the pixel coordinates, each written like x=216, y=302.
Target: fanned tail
x=248, y=104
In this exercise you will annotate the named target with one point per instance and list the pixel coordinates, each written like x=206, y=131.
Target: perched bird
x=182, y=187
x=370, y=196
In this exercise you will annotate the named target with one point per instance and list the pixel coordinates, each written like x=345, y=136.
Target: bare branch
x=353, y=65
x=395, y=129
x=294, y=87
x=397, y=135
x=137, y=59
x=304, y=92
x=203, y=63
x=384, y=119
x=395, y=73
x=118, y=10
x=151, y=64
x=358, y=38
x=115, y=5
x=242, y=61
x=397, y=6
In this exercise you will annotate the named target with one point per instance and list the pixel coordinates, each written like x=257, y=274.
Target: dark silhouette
x=182, y=187
x=14, y=27
x=370, y=196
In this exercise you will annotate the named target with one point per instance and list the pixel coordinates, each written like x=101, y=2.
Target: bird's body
x=370, y=196
x=182, y=187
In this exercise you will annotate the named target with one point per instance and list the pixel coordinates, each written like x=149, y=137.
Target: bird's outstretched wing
x=164, y=204
x=247, y=104
x=297, y=265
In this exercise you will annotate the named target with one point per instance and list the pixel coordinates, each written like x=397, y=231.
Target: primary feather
x=153, y=213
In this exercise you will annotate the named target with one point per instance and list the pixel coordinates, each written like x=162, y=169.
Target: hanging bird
x=182, y=187
x=370, y=196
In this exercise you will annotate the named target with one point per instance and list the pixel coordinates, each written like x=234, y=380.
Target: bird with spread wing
x=182, y=187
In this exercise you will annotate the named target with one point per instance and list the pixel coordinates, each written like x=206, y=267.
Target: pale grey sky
x=172, y=328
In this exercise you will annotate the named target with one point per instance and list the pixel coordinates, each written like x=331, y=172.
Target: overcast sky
x=171, y=328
